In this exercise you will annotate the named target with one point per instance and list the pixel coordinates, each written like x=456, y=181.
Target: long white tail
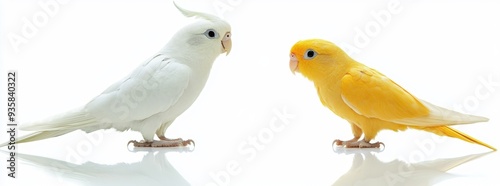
x=35, y=136
x=57, y=126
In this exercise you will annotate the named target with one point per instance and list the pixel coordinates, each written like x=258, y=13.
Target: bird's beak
x=226, y=43
x=294, y=63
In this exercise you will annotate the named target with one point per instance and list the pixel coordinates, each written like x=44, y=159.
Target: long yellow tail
x=448, y=131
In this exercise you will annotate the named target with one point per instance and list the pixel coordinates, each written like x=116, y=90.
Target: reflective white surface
x=255, y=123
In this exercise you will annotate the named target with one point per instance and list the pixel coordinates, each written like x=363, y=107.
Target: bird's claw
x=338, y=142
x=188, y=142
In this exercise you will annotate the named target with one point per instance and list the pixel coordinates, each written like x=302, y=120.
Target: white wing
x=150, y=89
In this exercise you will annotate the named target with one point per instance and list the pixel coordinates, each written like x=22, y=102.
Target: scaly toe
x=168, y=139
x=364, y=144
x=142, y=143
x=162, y=143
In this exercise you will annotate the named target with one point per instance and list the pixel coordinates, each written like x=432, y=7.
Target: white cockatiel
x=153, y=95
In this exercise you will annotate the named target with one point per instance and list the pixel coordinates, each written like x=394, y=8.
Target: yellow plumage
x=367, y=99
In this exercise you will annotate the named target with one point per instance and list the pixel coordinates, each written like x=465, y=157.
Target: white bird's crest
x=189, y=13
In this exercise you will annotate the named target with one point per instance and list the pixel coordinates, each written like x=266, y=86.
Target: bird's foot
x=357, y=144
x=163, y=143
x=163, y=138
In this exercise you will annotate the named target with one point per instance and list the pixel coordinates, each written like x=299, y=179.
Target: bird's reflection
x=367, y=169
x=154, y=169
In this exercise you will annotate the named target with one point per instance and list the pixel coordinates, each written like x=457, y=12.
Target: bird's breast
x=196, y=84
x=330, y=96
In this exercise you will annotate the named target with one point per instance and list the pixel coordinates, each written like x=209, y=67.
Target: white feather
x=67, y=121
x=189, y=13
x=150, y=89
x=441, y=116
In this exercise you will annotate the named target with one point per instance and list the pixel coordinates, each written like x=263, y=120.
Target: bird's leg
x=354, y=143
x=164, y=141
x=365, y=143
x=356, y=131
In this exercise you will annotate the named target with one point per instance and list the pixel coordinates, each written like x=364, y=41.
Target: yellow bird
x=367, y=99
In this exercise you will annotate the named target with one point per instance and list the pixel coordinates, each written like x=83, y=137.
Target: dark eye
x=310, y=54
x=211, y=34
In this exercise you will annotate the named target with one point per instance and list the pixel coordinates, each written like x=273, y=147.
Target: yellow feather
x=368, y=92
x=450, y=132
x=369, y=100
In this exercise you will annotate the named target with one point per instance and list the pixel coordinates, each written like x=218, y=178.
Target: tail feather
x=35, y=136
x=438, y=116
x=70, y=120
x=450, y=132
x=57, y=126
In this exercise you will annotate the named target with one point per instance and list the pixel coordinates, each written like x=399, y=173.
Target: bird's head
x=200, y=42
x=206, y=38
x=209, y=36
x=315, y=58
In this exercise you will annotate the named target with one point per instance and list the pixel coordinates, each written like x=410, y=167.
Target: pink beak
x=294, y=63
x=226, y=43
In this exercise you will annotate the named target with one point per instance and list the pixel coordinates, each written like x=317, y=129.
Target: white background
x=255, y=123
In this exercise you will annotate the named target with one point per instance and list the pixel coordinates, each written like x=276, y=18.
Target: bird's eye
x=211, y=34
x=310, y=54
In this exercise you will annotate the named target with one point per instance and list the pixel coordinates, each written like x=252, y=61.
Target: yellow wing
x=371, y=94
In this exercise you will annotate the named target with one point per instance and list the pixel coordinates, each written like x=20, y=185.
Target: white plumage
x=155, y=93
